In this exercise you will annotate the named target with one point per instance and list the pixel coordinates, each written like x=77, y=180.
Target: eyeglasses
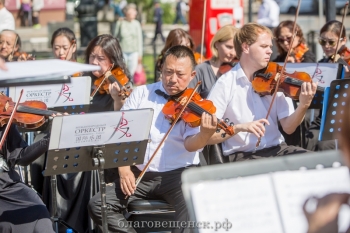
x=331, y=43
x=282, y=40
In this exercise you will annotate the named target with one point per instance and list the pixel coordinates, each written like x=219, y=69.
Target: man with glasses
x=235, y=99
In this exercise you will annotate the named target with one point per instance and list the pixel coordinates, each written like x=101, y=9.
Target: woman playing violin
x=64, y=45
x=300, y=51
x=176, y=36
x=223, y=54
x=330, y=33
x=105, y=51
x=300, y=54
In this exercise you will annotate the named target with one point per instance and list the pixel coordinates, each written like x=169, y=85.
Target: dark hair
x=180, y=51
x=333, y=26
x=288, y=24
x=175, y=37
x=67, y=33
x=111, y=47
x=18, y=43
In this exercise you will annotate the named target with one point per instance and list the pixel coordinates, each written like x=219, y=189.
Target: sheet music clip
x=79, y=143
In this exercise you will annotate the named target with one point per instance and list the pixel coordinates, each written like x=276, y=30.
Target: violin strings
x=35, y=110
x=297, y=82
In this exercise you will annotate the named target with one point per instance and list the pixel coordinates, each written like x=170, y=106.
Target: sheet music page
x=243, y=205
x=294, y=187
x=44, y=67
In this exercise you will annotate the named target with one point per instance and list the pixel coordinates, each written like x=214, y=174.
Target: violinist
x=105, y=51
x=176, y=36
x=63, y=43
x=178, y=153
x=10, y=46
x=329, y=35
x=22, y=210
x=235, y=99
x=222, y=60
x=300, y=54
x=300, y=51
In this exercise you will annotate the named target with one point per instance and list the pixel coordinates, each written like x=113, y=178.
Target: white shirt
x=6, y=20
x=269, y=13
x=172, y=154
x=234, y=98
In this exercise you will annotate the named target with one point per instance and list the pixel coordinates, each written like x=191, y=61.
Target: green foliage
x=148, y=64
x=148, y=8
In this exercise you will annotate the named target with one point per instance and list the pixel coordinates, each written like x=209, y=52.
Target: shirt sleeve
x=132, y=102
x=220, y=93
x=285, y=106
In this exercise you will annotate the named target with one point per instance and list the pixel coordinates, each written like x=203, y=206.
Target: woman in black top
x=329, y=35
x=300, y=54
x=21, y=209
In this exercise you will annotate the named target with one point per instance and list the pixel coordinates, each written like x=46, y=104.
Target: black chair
x=150, y=211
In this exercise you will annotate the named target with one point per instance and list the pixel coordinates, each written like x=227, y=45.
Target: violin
x=112, y=76
x=193, y=112
x=227, y=66
x=29, y=114
x=22, y=56
x=298, y=52
x=265, y=80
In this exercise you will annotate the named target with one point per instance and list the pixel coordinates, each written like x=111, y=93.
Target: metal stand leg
x=100, y=161
x=55, y=218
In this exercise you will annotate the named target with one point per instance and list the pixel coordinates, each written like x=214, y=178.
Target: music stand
x=334, y=104
x=120, y=151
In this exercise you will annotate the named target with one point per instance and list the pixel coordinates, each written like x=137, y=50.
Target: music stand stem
x=100, y=162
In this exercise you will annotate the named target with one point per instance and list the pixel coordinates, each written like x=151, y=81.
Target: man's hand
x=255, y=127
x=127, y=180
x=308, y=90
x=322, y=214
x=208, y=123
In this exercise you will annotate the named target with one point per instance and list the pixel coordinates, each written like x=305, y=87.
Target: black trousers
x=274, y=151
x=154, y=185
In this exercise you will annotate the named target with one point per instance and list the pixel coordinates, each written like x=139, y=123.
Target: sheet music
x=294, y=187
x=44, y=68
x=247, y=203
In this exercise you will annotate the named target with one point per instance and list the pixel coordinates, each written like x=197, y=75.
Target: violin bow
x=280, y=74
x=13, y=49
x=165, y=136
x=341, y=31
x=73, y=42
x=203, y=29
x=10, y=121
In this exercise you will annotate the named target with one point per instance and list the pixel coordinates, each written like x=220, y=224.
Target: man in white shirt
x=234, y=98
x=178, y=152
x=7, y=20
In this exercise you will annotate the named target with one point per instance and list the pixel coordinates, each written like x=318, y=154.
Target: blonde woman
x=223, y=52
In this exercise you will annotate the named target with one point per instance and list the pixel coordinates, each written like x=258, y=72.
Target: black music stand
x=334, y=105
x=47, y=79
x=94, y=157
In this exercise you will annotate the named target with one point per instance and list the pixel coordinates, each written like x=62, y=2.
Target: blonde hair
x=225, y=33
x=248, y=34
